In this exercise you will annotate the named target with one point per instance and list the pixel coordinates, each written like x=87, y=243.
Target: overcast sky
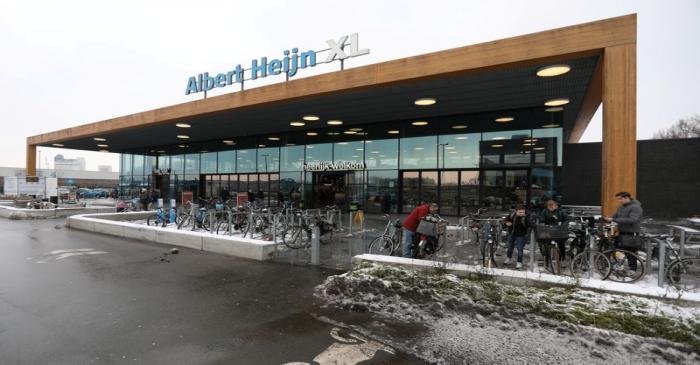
x=65, y=63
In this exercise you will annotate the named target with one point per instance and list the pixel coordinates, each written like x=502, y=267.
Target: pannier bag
x=545, y=232
x=431, y=226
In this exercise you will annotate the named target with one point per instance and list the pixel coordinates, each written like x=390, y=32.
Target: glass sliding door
x=449, y=192
x=410, y=190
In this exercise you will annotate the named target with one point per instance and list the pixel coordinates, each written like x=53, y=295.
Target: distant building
x=82, y=179
x=70, y=164
x=104, y=168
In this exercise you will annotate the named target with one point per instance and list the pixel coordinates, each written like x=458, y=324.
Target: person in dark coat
x=552, y=215
x=628, y=218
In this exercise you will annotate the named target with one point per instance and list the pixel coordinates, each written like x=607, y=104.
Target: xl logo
x=339, y=50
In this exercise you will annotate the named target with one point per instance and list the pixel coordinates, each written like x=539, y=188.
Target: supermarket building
x=480, y=125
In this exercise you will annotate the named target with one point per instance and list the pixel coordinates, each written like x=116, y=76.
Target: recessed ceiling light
x=553, y=70
x=557, y=102
x=459, y=126
x=497, y=138
x=393, y=131
x=57, y=144
x=496, y=145
x=530, y=140
x=203, y=151
x=334, y=122
x=355, y=129
x=333, y=133
x=228, y=141
x=350, y=132
x=550, y=125
x=297, y=124
x=425, y=101
x=528, y=144
x=538, y=148
x=261, y=145
x=554, y=109
x=310, y=117
x=182, y=136
x=420, y=123
x=504, y=119
x=182, y=145
x=182, y=125
x=342, y=143
x=98, y=139
x=161, y=151
x=461, y=138
x=311, y=134
x=102, y=145
x=419, y=148
x=273, y=138
x=290, y=144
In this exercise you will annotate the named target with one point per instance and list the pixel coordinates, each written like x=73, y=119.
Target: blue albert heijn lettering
x=290, y=63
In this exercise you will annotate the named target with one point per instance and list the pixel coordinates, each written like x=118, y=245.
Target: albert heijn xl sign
x=291, y=61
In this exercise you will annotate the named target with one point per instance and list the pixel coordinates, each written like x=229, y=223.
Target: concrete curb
x=23, y=213
x=528, y=278
x=116, y=224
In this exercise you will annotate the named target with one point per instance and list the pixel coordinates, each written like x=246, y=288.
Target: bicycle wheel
x=152, y=220
x=590, y=264
x=625, y=266
x=382, y=245
x=222, y=227
x=684, y=274
x=554, y=261
x=488, y=250
x=183, y=221
x=296, y=237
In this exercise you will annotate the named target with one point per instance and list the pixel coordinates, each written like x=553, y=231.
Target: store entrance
x=331, y=188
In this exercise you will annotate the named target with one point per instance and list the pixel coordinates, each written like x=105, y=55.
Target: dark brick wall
x=668, y=176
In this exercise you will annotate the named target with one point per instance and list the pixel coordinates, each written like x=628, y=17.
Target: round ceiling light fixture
x=496, y=145
x=557, y=102
x=334, y=122
x=554, y=109
x=504, y=119
x=311, y=134
x=459, y=126
x=553, y=70
x=333, y=133
x=98, y=139
x=350, y=132
x=183, y=136
x=228, y=141
x=552, y=125
x=419, y=123
x=57, y=144
x=461, y=138
x=182, y=145
x=261, y=145
x=393, y=131
x=182, y=125
x=102, y=145
x=273, y=138
x=311, y=117
x=425, y=101
x=355, y=129
x=297, y=124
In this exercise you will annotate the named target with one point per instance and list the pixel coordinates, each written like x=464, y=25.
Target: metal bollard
x=275, y=222
x=251, y=225
x=315, y=245
x=649, y=249
x=662, y=263
x=230, y=223
x=212, y=215
x=533, y=244
x=350, y=223
x=591, y=264
x=682, y=253
x=193, y=214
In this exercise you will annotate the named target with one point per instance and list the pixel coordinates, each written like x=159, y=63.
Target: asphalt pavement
x=73, y=297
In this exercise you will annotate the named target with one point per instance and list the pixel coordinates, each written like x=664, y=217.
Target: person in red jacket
x=410, y=225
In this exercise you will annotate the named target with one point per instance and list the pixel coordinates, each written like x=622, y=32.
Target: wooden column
x=31, y=160
x=619, y=124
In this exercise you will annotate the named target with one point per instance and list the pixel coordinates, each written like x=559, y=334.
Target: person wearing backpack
x=519, y=225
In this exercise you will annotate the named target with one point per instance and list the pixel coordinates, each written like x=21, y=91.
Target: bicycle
x=197, y=219
x=588, y=262
x=161, y=218
x=430, y=243
x=389, y=241
x=682, y=273
x=625, y=266
x=488, y=235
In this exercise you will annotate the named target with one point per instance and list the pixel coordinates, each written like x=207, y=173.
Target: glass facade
x=460, y=171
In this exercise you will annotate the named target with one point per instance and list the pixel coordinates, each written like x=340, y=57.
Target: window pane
x=448, y=192
x=177, y=163
x=290, y=187
x=382, y=191
x=547, y=146
x=419, y=152
x=150, y=164
x=429, y=186
x=138, y=165
x=227, y=161
x=192, y=164
x=348, y=151
x=268, y=159
x=163, y=162
x=275, y=198
x=246, y=161
x=264, y=188
x=292, y=158
x=505, y=148
x=468, y=192
x=208, y=162
x=253, y=183
x=459, y=150
x=410, y=193
x=126, y=164
x=382, y=154
x=319, y=152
